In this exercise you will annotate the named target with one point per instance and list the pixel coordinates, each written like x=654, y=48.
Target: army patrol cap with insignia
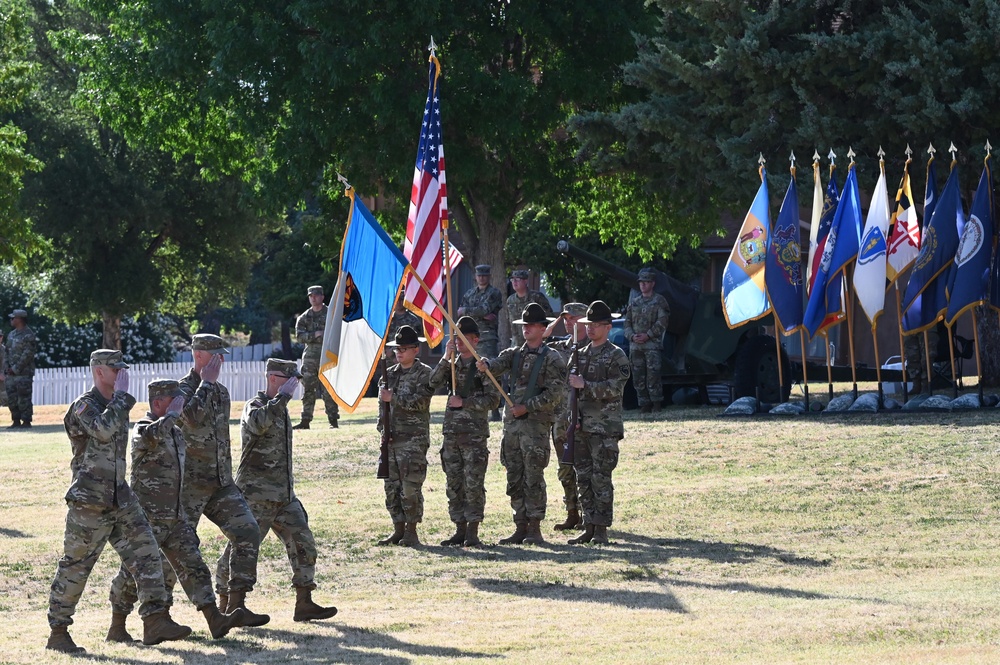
x=533, y=313
x=520, y=273
x=18, y=314
x=647, y=275
x=406, y=336
x=468, y=326
x=286, y=368
x=107, y=358
x=164, y=388
x=209, y=342
x=599, y=312
x=315, y=291
x=484, y=269
x=575, y=309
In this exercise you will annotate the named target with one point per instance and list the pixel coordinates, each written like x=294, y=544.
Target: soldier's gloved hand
x=288, y=387
x=576, y=381
x=121, y=381
x=482, y=365
x=176, y=406
x=210, y=372
x=385, y=395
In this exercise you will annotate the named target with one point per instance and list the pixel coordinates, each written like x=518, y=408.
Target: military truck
x=699, y=348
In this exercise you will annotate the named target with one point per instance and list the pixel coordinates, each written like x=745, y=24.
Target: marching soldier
x=265, y=476
x=645, y=323
x=157, y=481
x=483, y=302
x=517, y=301
x=600, y=375
x=309, y=331
x=465, y=453
x=102, y=509
x=406, y=389
x=538, y=383
x=19, y=368
x=209, y=488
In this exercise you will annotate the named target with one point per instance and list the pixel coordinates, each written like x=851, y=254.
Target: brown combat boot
x=572, y=520
x=159, y=627
x=459, y=537
x=600, y=534
x=118, y=632
x=237, y=600
x=516, y=538
x=410, y=537
x=307, y=610
x=472, y=535
x=223, y=602
x=397, y=535
x=60, y=640
x=302, y=425
x=585, y=537
x=220, y=624
x=534, y=536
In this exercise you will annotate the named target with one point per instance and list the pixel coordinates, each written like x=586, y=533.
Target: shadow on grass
x=13, y=533
x=636, y=600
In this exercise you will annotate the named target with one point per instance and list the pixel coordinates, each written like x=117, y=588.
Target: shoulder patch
x=80, y=408
x=625, y=370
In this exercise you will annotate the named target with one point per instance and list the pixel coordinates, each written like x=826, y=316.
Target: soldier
x=265, y=476
x=158, y=481
x=600, y=375
x=538, y=383
x=517, y=301
x=406, y=389
x=571, y=315
x=465, y=453
x=309, y=331
x=403, y=317
x=483, y=302
x=102, y=509
x=916, y=358
x=645, y=323
x=3, y=377
x=19, y=368
x=209, y=488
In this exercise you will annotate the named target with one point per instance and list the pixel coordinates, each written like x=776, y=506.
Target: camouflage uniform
x=916, y=359
x=516, y=305
x=478, y=303
x=605, y=370
x=19, y=368
x=265, y=476
x=209, y=489
x=566, y=472
x=525, y=450
x=465, y=453
x=157, y=481
x=3, y=377
x=409, y=424
x=102, y=509
x=306, y=326
x=650, y=316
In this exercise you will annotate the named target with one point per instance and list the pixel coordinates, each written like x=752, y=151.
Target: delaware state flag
x=744, y=296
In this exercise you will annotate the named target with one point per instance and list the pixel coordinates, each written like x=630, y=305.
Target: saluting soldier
x=158, y=481
x=571, y=315
x=265, y=476
x=538, y=384
x=517, y=301
x=102, y=509
x=645, y=323
x=483, y=303
x=406, y=389
x=600, y=375
x=18, y=368
x=309, y=331
x=465, y=453
x=209, y=488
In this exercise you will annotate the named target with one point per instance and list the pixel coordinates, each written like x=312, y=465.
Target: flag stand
x=805, y=373
x=951, y=354
x=979, y=365
x=781, y=371
x=902, y=346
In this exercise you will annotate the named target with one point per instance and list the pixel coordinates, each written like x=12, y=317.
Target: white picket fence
x=64, y=384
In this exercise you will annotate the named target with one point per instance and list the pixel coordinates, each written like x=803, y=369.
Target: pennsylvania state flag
x=744, y=295
x=969, y=283
x=783, y=267
x=371, y=271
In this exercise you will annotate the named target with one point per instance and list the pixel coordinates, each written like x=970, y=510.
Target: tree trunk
x=286, y=340
x=112, y=331
x=492, y=237
x=989, y=345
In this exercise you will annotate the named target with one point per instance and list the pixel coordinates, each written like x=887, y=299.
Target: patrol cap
x=209, y=342
x=315, y=290
x=18, y=314
x=107, y=358
x=520, y=273
x=407, y=336
x=533, y=313
x=468, y=326
x=287, y=368
x=484, y=269
x=164, y=388
x=575, y=309
x=599, y=312
x=647, y=275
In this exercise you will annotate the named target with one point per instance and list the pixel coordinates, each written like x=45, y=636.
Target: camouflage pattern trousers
x=489, y=345
x=646, y=369
x=464, y=467
x=916, y=358
x=290, y=524
x=596, y=457
x=404, y=494
x=311, y=386
x=565, y=472
x=524, y=452
x=226, y=508
x=178, y=552
x=18, y=389
x=88, y=528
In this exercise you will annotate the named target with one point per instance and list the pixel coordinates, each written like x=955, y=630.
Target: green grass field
x=868, y=539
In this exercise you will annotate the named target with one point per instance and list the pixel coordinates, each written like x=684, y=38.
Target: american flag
x=428, y=214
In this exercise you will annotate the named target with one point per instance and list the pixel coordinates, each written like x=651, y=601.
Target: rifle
x=569, y=448
x=384, y=415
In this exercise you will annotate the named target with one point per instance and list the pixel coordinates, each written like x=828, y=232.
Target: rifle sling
x=536, y=369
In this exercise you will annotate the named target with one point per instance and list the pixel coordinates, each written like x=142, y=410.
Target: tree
x=725, y=81
x=286, y=90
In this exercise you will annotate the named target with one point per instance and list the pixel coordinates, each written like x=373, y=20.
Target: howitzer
x=383, y=416
x=569, y=447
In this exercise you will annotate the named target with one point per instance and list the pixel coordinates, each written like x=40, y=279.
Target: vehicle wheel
x=756, y=367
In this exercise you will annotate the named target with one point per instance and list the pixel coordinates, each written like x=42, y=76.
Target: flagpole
x=850, y=335
x=777, y=348
x=951, y=354
x=979, y=364
x=829, y=368
x=805, y=374
x=902, y=345
x=927, y=359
